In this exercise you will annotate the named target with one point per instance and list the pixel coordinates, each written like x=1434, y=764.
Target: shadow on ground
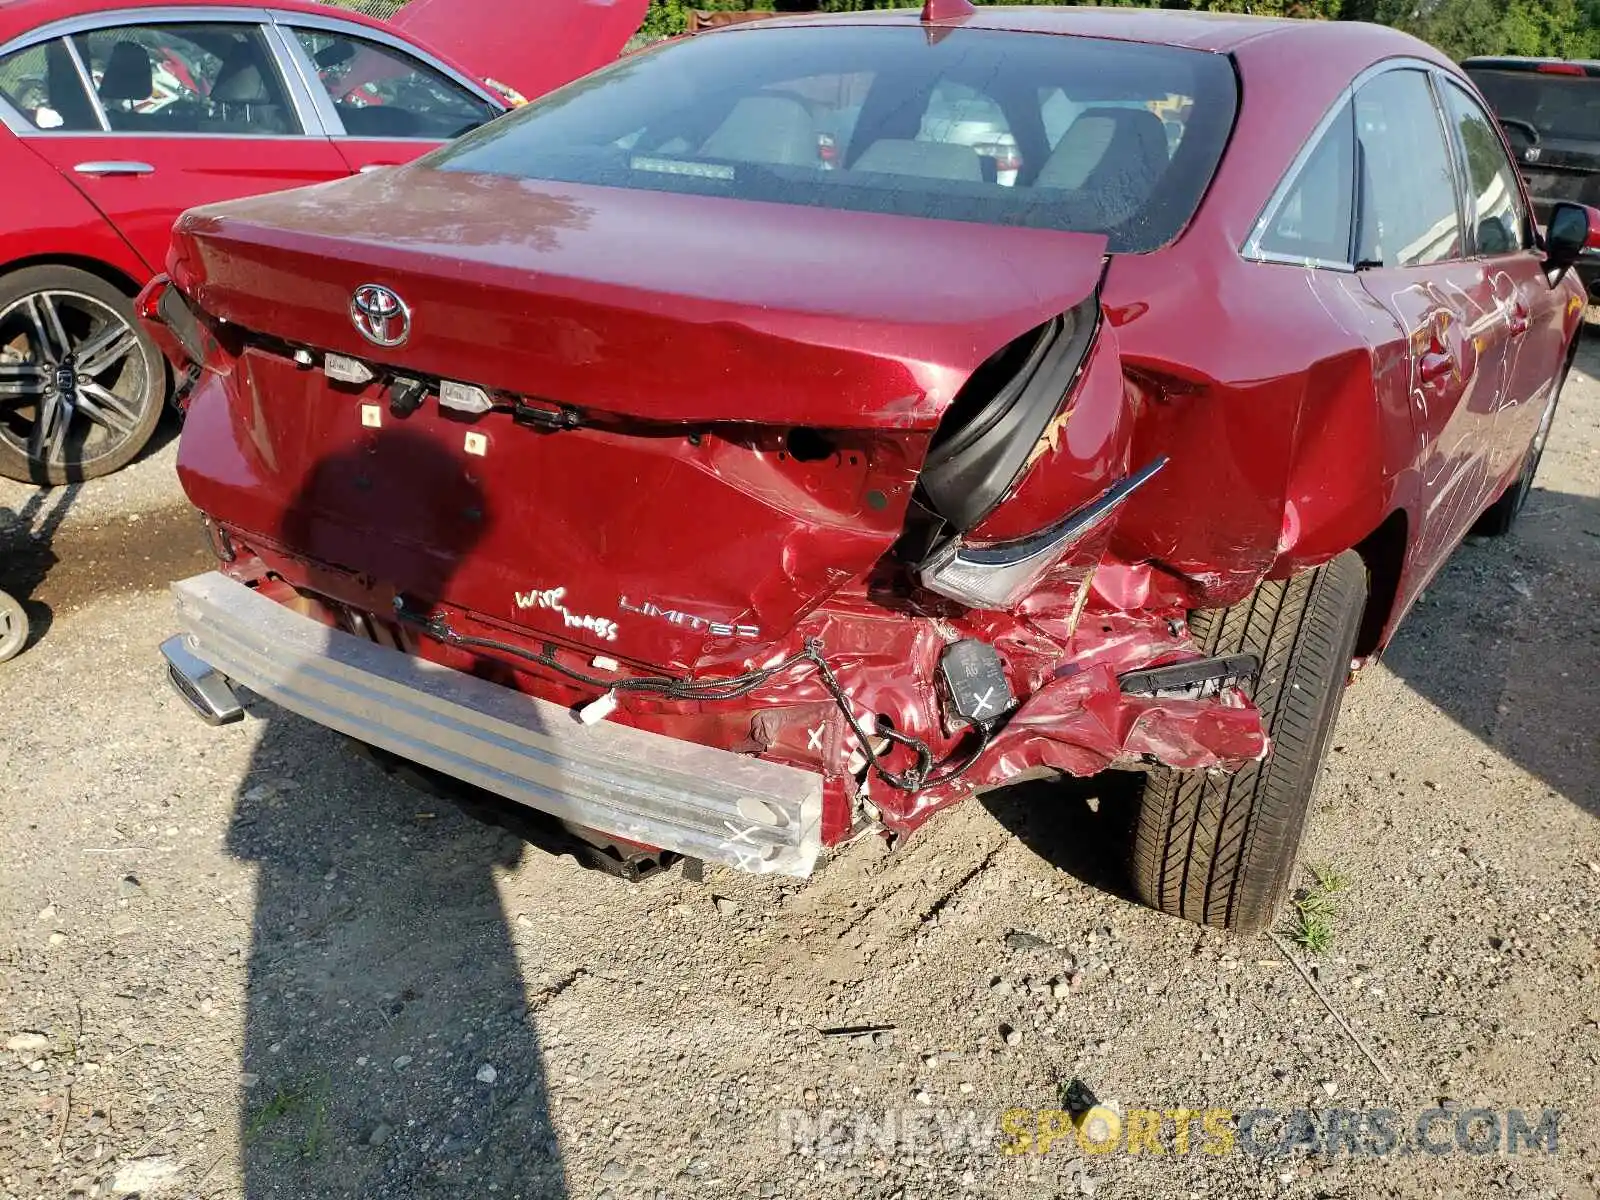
x=1082, y=826
x=27, y=550
x=389, y=1050
x=1507, y=644
x=51, y=569
x=382, y=981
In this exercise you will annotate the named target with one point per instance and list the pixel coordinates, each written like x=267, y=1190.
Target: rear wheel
x=1221, y=850
x=81, y=384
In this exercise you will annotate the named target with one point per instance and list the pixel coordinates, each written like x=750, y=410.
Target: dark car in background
x=1550, y=110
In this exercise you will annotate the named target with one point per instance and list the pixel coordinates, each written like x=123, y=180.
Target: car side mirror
x=1573, y=229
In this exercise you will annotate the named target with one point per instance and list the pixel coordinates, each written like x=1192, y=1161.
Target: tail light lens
x=1005, y=154
x=162, y=305
x=1000, y=574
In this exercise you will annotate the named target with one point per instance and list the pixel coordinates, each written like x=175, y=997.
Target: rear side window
x=214, y=79
x=1409, y=215
x=1313, y=221
x=978, y=125
x=1499, y=221
x=42, y=83
x=381, y=92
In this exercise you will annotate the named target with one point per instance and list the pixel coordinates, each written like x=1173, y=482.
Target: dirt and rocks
x=244, y=962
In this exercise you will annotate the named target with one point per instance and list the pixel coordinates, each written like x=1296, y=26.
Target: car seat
x=129, y=78
x=1114, y=156
x=245, y=96
x=926, y=160
x=766, y=129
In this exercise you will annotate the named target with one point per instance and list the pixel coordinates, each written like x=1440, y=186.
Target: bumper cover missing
x=698, y=801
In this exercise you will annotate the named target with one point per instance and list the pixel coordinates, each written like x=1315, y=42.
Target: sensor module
x=974, y=681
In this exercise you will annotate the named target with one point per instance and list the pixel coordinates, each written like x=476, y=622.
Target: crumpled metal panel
x=1072, y=717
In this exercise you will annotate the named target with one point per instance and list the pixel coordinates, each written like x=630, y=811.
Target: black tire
x=102, y=431
x=1221, y=850
x=1501, y=516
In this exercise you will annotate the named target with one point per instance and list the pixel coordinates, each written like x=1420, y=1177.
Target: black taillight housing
x=992, y=426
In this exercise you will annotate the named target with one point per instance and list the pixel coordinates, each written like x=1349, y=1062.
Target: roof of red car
x=1195, y=30
x=18, y=17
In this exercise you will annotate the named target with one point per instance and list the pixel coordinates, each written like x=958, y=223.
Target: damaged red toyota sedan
x=730, y=455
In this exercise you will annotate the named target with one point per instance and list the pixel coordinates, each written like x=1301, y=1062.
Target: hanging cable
x=735, y=687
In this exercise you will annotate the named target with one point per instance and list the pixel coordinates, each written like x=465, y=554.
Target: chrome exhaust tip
x=207, y=691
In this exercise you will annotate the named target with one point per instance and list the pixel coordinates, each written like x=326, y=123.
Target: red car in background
x=626, y=460
x=117, y=117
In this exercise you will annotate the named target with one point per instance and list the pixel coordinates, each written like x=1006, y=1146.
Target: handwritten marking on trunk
x=552, y=598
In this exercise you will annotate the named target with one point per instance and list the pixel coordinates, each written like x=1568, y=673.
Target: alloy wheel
x=74, y=383
x=13, y=627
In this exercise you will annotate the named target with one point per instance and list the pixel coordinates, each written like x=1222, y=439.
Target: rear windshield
x=1560, y=107
x=970, y=125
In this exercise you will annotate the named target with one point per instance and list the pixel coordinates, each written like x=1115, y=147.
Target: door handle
x=103, y=170
x=371, y=167
x=1520, y=321
x=1436, y=366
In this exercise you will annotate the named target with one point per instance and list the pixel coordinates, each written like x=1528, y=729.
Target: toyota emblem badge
x=380, y=315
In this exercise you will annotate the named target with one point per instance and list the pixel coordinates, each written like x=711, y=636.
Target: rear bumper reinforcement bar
x=692, y=799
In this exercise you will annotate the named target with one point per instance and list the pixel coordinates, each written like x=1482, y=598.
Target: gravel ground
x=246, y=963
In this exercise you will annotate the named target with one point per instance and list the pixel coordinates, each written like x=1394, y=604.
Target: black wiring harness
x=916, y=779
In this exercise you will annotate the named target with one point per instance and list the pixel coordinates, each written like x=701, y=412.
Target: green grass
x=1314, y=917
x=304, y=1105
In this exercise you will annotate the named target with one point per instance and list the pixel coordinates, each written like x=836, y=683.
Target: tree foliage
x=1559, y=28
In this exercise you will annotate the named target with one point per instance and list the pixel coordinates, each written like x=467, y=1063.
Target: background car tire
x=137, y=380
x=13, y=627
x=1221, y=850
x=1499, y=518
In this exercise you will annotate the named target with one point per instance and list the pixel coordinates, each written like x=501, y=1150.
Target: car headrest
x=766, y=129
x=1102, y=140
x=128, y=76
x=927, y=160
x=242, y=81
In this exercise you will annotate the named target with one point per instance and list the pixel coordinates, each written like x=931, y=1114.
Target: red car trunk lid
x=757, y=385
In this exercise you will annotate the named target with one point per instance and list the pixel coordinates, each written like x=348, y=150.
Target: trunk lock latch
x=406, y=395
x=546, y=418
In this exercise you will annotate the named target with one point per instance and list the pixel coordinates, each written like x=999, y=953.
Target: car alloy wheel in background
x=13, y=627
x=81, y=386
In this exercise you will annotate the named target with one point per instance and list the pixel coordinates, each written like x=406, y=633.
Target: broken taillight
x=185, y=336
x=998, y=575
x=991, y=428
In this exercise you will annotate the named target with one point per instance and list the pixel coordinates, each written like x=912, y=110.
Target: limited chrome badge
x=380, y=315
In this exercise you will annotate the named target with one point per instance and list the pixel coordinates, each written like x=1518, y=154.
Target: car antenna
x=945, y=10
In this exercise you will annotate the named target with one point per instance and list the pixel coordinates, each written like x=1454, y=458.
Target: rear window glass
x=1002, y=128
x=1560, y=107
